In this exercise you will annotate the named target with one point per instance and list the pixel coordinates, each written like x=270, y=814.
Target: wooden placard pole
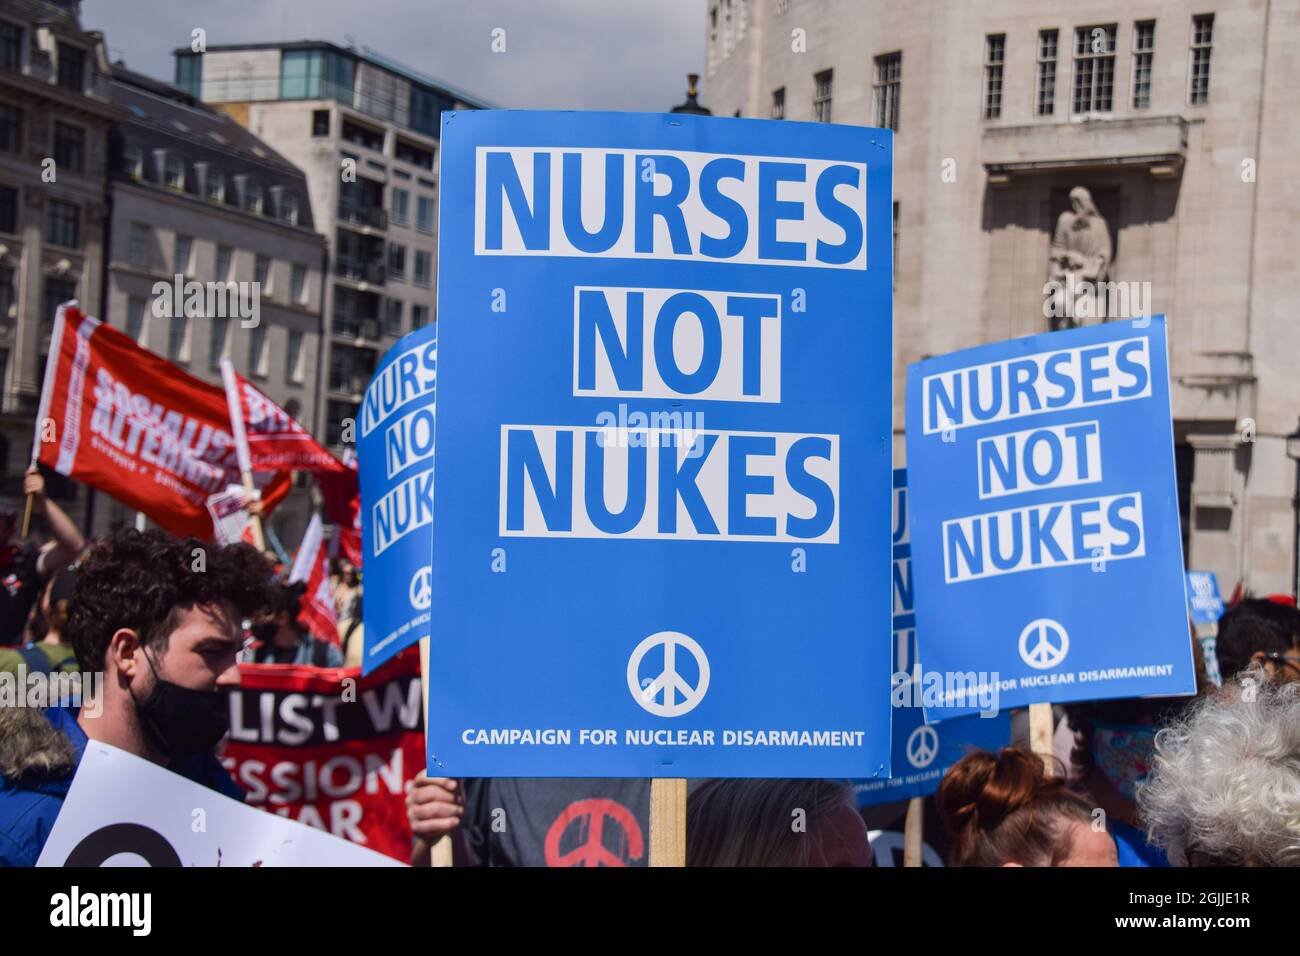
x=668, y=821
x=1040, y=735
x=913, y=826
x=440, y=852
x=255, y=520
x=27, y=509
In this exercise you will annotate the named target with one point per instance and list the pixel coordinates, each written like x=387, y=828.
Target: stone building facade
x=194, y=194
x=1178, y=117
x=55, y=117
x=365, y=131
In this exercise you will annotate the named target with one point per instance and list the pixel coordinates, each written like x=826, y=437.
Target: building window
x=396, y=261
x=253, y=197
x=424, y=214
x=178, y=338
x=300, y=73
x=320, y=122
x=11, y=128
x=184, y=251
x=393, y=316
x=133, y=160
x=822, y=83
x=58, y=290
x=215, y=186
x=401, y=207
x=189, y=73
x=72, y=67
x=1202, y=44
x=11, y=46
x=889, y=82
x=8, y=209
x=174, y=172
x=995, y=50
x=69, y=147
x=218, y=340
x=423, y=268
x=1045, y=104
x=778, y=103
x=363, y=136
x=135, y=315
x=225, y=255
x=293, y=359
x=336, y=413
x=415, y=155
x=288, y=207
x=1144, y=45
x=297, y=282
x=63, y=224
x=262, y=272
x=6, y=289
x=257, y=350
x=1094, y=69
x=419, y=316
x=137, y=246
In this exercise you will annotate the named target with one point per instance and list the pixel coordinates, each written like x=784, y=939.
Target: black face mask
x=264, y=632
x=182, y=722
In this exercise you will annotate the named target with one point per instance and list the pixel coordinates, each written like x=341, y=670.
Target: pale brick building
x=1178, y=117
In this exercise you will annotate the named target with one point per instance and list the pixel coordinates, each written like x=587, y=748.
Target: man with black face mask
x=160, y=619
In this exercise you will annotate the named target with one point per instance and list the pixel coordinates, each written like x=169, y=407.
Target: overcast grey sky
x=560, y=54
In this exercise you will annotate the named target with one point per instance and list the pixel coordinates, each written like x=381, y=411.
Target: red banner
x=273, y=438
x=330, y=748
x=312, y=567
x=268, y=438
x=137, y=427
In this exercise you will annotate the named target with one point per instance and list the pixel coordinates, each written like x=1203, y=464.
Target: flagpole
x=236, y=412
x=43, y=406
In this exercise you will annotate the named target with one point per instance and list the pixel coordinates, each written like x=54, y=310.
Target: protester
x=280, y=639
x=557, y=822
x=1263, y=631
x=53, y=653
x=347, y=589
x=1004, y=810
x=22, y=567
x=352, y=635
x=159, y=619
x=1224, y=789
x=775, y=823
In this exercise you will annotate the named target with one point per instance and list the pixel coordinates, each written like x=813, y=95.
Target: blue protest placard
x=663, y=445
x=395, y=438
x=923, y=753
x=1045, y=531
x=1204, y=603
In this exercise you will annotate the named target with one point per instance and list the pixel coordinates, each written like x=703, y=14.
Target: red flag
x=269, y=438
x=312, y=565
x=342, y=761
x=137, y=427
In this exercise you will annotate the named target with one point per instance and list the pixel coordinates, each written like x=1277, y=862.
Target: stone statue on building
x=1079, y=259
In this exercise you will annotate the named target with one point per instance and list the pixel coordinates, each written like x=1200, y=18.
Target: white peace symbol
x=922, y=747
x=1044, y=653
x=669, y=683
x=420, y=591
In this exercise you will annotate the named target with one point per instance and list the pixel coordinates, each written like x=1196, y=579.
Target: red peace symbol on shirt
x=591, y=851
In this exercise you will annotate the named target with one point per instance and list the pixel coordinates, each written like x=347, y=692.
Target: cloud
x=560, y=54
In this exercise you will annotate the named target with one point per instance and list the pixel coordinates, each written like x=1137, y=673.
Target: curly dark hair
x=145, y=580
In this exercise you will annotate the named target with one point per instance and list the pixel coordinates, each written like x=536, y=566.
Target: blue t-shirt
x=1132, y=846
x=28, y=809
